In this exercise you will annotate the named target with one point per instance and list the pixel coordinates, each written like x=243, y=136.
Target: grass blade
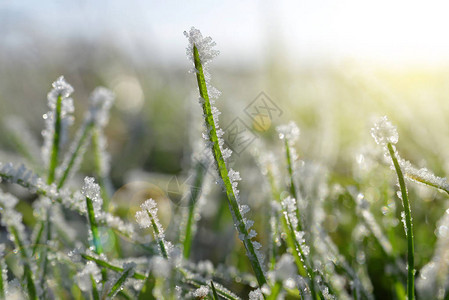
x=219, y=158
x=408, y=225
x=214, y=291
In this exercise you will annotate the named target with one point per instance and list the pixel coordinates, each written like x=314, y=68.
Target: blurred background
x=331, y=66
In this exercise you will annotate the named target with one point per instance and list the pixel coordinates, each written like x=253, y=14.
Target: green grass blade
x=214, y=291
x=56, y=140
x=93, y=226
x=161, y=243
x=120, y=281
x=223, y=171
x=95, y=294
x=409, y=226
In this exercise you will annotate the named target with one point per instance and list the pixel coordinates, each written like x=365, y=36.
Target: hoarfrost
x=256, y=295
x=290, y=132
x=384, y=132
x=201, y=292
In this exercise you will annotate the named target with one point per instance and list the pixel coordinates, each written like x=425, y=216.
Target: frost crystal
x=101, y=101
x=146, y=217
x=256, y=295
x=91, y=190
x=422, y=175
x=204, y=45
x=201, y=292
x=384, y=132
x=290, y=132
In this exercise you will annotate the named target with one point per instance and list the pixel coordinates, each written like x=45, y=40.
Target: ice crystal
x=204, y=45
x=422, y=175
x=149, y=208
x=201, y=292
x=384, y=132
x=256, y=295
x=101, y=101
x=289, y=132
x=91, y=190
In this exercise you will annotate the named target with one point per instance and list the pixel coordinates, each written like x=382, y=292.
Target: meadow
x=316, y=182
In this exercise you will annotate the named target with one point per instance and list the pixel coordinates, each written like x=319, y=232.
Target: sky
x=382, y=31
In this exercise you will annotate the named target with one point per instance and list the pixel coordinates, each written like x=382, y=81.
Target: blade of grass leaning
x=297, y=244
x=386, y=135
x=118, y=284
x=214, y=291
x=408, y=227
x=215, y=142
x=91, y=192
x=290, y=133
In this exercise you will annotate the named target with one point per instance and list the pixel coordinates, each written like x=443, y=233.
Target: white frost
x=384, y=132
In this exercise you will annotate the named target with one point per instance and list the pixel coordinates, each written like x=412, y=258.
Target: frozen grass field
x=134, y=179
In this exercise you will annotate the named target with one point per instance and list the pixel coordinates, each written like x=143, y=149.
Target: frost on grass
x=96, y=118
x=147, y=217
x=289, y=205
x=201, y=292
x=289, y=132
x=423, y=175
x=91, y=190
x=214, y=140
x=100, y=103
x=384, y=132
x=63, y=90
x=205, y=46
x=76, y=201
x=256, y=295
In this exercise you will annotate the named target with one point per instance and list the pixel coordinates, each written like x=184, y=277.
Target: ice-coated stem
x=223, y=171
x=93, y=226
x=118, y=285
x=161, y=243
x=409, y=226
x=55, y=145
